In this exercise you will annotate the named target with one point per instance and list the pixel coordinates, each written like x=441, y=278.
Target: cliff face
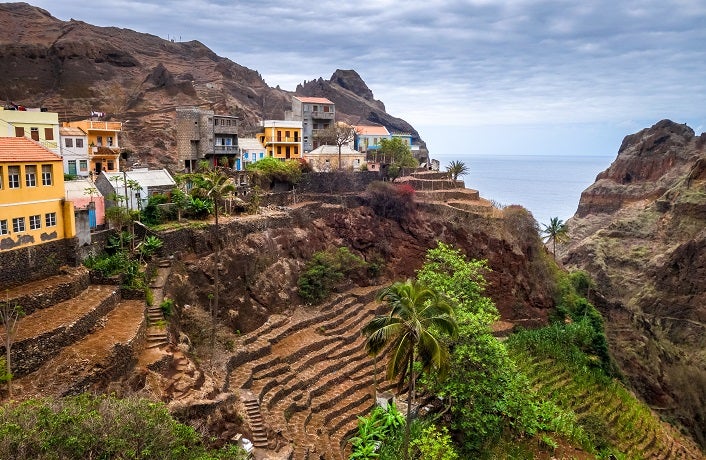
x=73, y=68
x=640, y=232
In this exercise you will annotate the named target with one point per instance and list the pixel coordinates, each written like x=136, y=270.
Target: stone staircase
x=259, y=435
x=309, y=375
x=157, y=336
x=75, y=336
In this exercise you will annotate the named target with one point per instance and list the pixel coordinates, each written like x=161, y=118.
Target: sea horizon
x=546, y=185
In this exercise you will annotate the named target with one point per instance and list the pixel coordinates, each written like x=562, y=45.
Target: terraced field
x=306, y=378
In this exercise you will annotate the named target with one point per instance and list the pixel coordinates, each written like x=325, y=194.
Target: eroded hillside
x=639, y=231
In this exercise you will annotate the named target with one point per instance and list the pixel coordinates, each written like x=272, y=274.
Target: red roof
x=20, y=149
x=314, y=100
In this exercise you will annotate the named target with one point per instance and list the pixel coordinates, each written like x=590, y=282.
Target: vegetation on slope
x=551, y=390
x=100, y=427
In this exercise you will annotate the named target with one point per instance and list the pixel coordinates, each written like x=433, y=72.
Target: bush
x=99, y=427
x=269, y=170
x=391, y=201
x=326, y=270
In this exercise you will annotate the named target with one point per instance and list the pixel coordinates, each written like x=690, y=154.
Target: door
x=92, y=217
x=72, y=167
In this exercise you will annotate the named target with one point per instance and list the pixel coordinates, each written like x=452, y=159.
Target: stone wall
x=28, y=355
x=54, y=292
x=31, y=263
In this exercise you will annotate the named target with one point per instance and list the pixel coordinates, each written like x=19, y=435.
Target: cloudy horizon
x=512, y=76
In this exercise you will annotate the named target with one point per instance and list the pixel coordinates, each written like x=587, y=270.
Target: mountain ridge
x=72, y=68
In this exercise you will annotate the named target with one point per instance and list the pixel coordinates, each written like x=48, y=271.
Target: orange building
x=103, y=146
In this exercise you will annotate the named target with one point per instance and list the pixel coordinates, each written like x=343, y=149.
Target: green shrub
x=326, y=270
x=167, y=305
x=99, y=427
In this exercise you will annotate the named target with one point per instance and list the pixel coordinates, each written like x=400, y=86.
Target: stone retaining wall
x=28, y=355
x=51, y=294
x=31, y=263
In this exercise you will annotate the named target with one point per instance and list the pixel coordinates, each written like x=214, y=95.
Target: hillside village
x=78, y=165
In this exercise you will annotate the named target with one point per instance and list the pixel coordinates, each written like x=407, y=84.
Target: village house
x=315, y=114
x=103, y=145
x=33, y=123
x=204, y=136
x=251, y=150
x=33, y=209
x=84, y=195
x=136, y=185
x=368, y=137
x=74, y=151
x=325, y=158
x=282, y=138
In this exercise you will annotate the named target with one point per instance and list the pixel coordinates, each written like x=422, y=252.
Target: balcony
x=319, y=115
x=226, y=150
x=282, y=140
x=104, y=125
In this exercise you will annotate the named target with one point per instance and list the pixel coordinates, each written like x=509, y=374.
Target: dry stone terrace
x=310, y=376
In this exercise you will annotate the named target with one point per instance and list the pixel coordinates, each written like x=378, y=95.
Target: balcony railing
x=105, y=125
x=319, y=115
x=282, y=139
x=226, y=149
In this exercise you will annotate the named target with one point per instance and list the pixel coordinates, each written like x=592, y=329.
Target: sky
x=474, y=77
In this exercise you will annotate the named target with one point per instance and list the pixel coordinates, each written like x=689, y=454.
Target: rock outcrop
x=73, y=68
x=639, y=231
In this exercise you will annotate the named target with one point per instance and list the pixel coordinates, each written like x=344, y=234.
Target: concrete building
x=74, y=151
x=103, y=144
x=368, y=137
x=324, y=158
x=282, y=138
x=315, y=114
x=35, y=123
x=33, y=210
x=204, y=136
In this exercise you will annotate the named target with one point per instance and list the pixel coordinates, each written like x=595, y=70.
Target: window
x=35, y=222
x=31, y=175
x=326, y=108
x=34, y=133
x=109, y=141
x=3, y=227
x=46, y=174
x=82, y=165
x=79, y=143
x=50, y=219
x=316, y=108
x=19, y=131
x=111, y=165
x=49, y=134
x=18, y=224
x=69, y=142
x=13, y=176
x=99, y=141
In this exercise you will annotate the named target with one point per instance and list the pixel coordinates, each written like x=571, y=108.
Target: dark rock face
x=71, y=68
x=639, y=231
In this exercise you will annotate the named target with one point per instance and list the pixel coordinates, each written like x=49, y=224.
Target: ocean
x=547, y=185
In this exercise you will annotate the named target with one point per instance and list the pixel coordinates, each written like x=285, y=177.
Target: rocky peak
x=350, y=80
x=648, y=164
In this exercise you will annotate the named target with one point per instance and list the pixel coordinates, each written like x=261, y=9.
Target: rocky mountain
x=73, y=68
x=640, y=232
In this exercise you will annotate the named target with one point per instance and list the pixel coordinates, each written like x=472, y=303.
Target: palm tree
x=411, y=331
x=214, y=185
x=457, y=169
x=555, y=231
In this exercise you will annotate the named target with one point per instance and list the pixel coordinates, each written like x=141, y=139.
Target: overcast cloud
x=512, y=76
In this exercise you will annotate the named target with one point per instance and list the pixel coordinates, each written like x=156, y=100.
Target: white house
x=251, y=150
x=73, y=143
x=145, y=183
x=325, y=158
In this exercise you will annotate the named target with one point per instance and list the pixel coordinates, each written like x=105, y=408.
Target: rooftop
x=368, y=130
x=145, y=177
x=71, y=131
x=332, y=150
x=313, y=100
x=250, y=143
x=20, y=149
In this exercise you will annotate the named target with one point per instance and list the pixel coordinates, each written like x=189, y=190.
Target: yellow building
x=103, y=147
x=282, y=138
x=34, y=124
x=32, y=205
